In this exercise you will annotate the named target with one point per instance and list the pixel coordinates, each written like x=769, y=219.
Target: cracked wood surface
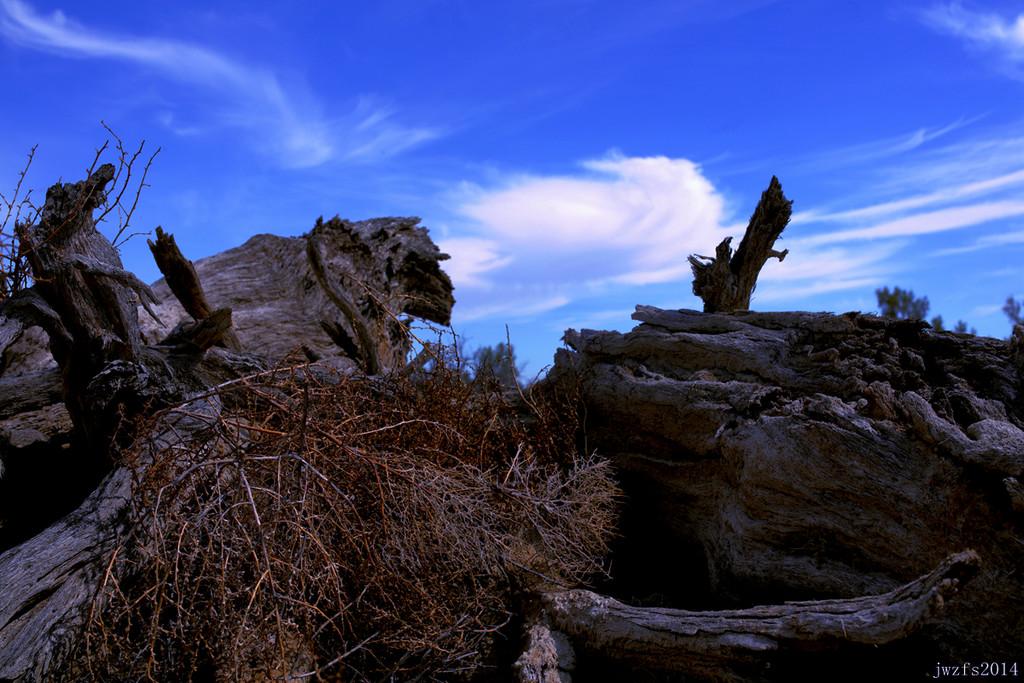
x=712, y=644
x=784, y=456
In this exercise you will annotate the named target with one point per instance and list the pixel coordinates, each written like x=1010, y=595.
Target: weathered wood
x=181, y=277
x=82, y=295
x=198, y=336
x=726, y=281
x=547, y=657
x=87, y=303
x=50, y=580
x=711, y=645
x=111, y=378
x=341, y=291
x=806, y=455
x=31, y=391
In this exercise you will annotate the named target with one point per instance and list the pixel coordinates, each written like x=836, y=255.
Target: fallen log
x=729, y=645
x=791, y=456
x=345, y=290
x=112, y=380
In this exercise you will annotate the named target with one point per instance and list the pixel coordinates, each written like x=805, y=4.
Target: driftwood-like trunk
x=733, y=645
x=83, y=298
x=794, y=456
x=357, y=279
x=345, y=289
x=726, y=281
x=183, y=281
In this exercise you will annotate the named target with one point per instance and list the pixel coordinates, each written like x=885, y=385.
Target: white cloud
x=523, y=306
x=807, y=262
x=985, y=242
x=373, y=133
x=887, y=147
x=471, y=257
x=928, y=222
x=985, y=310
x=624, y=217
x=535, y=243
x=620, y=221
x=800, y=291
x=810, y=270
x=985, y=30
x=256, y=99
x=944, y=195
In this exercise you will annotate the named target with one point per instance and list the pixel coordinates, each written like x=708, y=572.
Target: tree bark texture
x=790, y=456
x=731, y=645
x=355, y=279
x=726, y=281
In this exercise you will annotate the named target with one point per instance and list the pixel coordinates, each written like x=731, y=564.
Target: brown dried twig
x=20, y=214
x=357, y=528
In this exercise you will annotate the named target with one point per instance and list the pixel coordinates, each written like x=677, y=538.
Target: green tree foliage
x=902, y=304
x=499, y=362
x=1012, y=309
x=961, y=327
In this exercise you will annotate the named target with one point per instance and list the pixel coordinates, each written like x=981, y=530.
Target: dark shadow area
x=42, y=483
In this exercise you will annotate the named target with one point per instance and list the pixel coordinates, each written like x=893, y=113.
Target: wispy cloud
x=887, y=147
x=619, y=221
x=471, y=258
x=986, y=242
x=810, y=270
x=522, y=306
x=943, y=196
x=624, y=215
x=546, y=241
x=1002, y=35
x=986, y=310
x=925, y=223
x=254, y=97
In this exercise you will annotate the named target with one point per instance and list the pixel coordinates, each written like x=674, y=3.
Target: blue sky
x=569, y=154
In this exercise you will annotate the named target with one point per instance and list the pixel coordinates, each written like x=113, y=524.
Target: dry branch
x=726, y=281
x=180, y=275
x=710, y=645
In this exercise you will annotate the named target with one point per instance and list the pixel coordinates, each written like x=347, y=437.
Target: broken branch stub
x=726, y=281
x=183, y=281
x=82, y=295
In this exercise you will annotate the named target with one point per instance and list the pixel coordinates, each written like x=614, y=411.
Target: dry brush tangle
x=323, y=524
x=144, y=407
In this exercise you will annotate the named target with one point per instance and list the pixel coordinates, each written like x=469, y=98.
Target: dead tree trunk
x=83, y=298
x=87, y=304
x=725, y=281
x=780, y=456
x=180, y=275
x=111, y=378
x=730, y=645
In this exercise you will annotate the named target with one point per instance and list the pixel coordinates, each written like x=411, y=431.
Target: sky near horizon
x=568, y=154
